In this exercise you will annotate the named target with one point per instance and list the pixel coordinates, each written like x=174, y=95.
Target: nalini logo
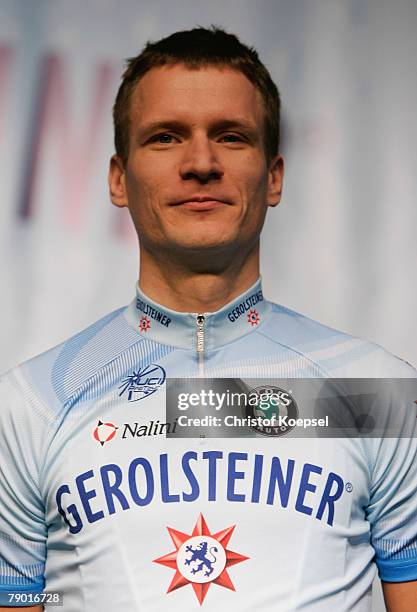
x=253, y=317
x=201, y=558
x=104, y=432
x=143, y=383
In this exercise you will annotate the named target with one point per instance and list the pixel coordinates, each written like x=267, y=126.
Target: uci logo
x=143, y=383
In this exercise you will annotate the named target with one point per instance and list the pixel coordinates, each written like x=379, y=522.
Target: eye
x=163, y=138
x=232, y=138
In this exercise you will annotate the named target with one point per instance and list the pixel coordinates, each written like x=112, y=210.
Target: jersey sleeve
x=392, y=511
x=22, y=519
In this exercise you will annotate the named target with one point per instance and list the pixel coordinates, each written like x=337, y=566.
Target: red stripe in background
x=76, y=145
x=40, y=112
x=6, y=54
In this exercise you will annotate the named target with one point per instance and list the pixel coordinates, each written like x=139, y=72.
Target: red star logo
x=144, y=324
x=253, y=317
x=193, y=557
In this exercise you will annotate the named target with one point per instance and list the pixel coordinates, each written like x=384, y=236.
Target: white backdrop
x=342, y=246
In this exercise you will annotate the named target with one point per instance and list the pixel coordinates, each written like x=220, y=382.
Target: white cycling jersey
x=96, y=502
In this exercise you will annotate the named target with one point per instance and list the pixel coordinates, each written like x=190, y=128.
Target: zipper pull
x=201, y=320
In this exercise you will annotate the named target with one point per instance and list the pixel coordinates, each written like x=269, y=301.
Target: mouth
x=201, y=203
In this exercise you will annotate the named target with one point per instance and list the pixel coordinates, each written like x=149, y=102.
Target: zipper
x=201, y=321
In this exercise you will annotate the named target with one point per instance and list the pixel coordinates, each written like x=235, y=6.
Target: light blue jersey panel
x=98, y=504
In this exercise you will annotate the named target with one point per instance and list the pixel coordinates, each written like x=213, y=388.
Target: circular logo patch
x=272, y=407
x=201, y=559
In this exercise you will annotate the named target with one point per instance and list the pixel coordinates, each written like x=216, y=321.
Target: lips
x=200, y=206
x=199, y=202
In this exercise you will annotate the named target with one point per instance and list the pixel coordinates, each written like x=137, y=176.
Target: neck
x=176, y=286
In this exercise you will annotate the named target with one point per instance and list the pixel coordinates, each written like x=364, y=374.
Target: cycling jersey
x=96, y=502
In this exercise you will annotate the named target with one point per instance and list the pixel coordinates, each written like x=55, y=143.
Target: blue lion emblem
x=200, y=554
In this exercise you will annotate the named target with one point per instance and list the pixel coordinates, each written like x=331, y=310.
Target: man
x=97, y=503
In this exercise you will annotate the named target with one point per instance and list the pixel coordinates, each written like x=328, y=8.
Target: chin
x=207, y=234
x=207, y=243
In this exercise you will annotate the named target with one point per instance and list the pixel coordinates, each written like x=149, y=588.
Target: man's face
x=196, y=179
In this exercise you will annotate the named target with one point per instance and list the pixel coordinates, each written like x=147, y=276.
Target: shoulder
x=50, y=379
x=336, y=353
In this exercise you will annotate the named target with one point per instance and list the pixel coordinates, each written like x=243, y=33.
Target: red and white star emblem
x=253, y=317
x=144, y=324
x=201, y=558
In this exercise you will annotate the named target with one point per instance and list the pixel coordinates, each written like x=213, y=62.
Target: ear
x=117, y=184
x=275, y=180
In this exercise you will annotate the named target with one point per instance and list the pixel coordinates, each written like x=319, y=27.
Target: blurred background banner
x=342, y=246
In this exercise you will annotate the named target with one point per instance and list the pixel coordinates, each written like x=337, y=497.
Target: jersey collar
x=190, y=330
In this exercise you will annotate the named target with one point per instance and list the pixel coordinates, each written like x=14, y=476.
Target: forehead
x=194, y=95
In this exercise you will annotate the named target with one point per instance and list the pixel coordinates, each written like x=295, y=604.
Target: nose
x=200, y=161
